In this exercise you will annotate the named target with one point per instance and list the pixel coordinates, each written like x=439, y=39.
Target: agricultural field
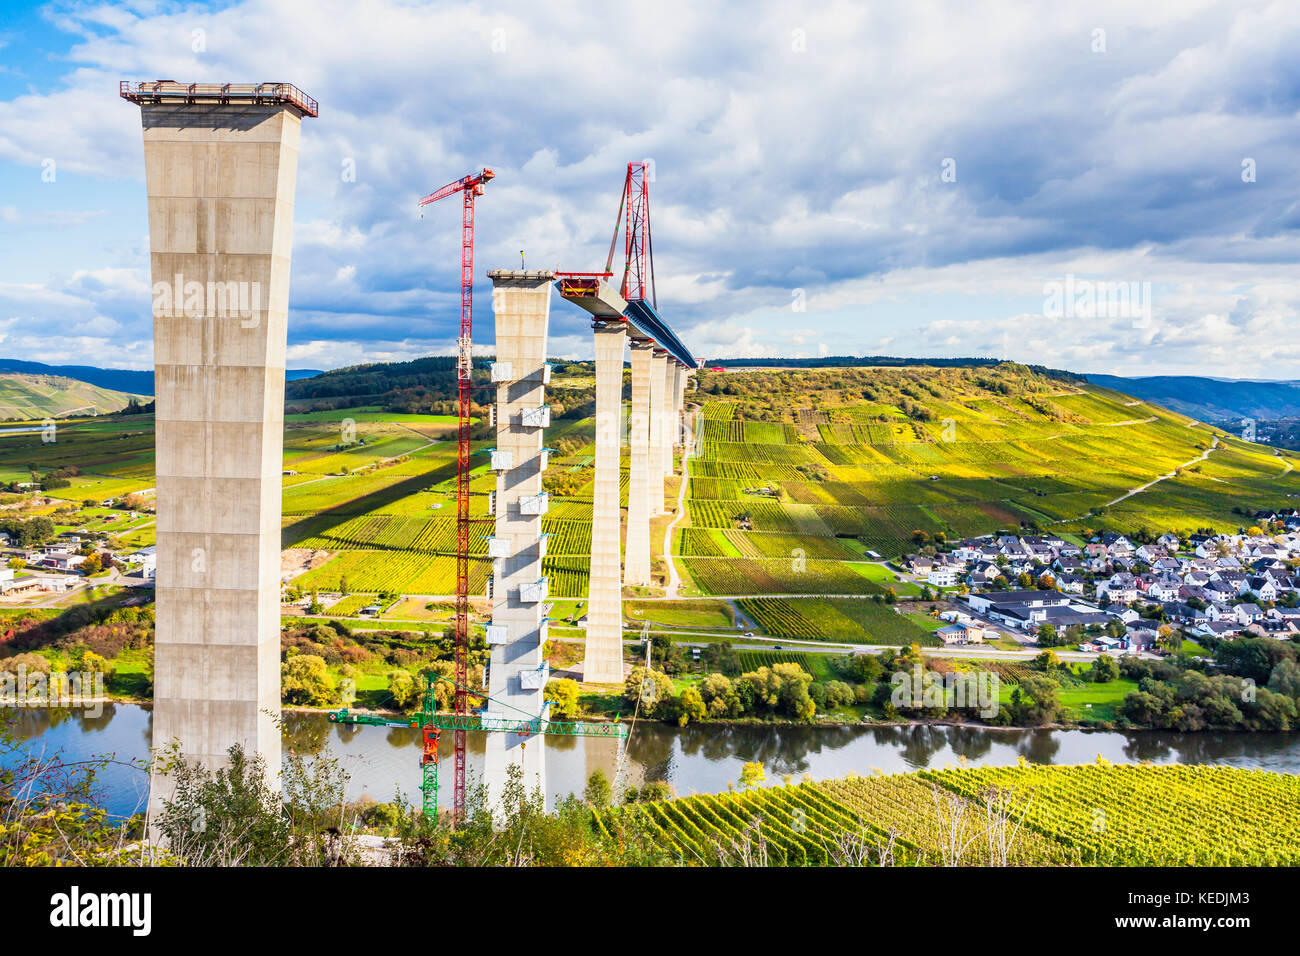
x=850, y=620
x=799, y=472
x=798, y=476
x=1055, y=816
x=818, y=665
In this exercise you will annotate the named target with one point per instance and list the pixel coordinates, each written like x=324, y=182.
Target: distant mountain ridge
x=129, y=380
x=1210, y=398
x=28, y=397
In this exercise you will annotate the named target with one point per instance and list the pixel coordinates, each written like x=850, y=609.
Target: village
x=1116, y=593
x=72, y=561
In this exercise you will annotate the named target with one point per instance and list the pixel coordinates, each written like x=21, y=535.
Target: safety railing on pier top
x=169, y=91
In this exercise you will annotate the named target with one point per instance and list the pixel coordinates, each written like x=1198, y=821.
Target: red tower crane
x=469, y=187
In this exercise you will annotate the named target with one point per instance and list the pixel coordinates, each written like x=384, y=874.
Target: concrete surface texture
x=603, y=657
x=658, y=373
x=518, y=673
x=220, y=180
x=636, y=562
x=679, y=404
x=668, y=431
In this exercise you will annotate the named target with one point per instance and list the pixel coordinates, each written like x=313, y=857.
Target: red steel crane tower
x=639, y=270
x=469, y=187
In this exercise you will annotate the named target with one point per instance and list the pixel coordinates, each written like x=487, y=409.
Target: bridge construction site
x=221, y=167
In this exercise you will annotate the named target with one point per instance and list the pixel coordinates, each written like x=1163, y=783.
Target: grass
x=1086, y=701
x=697, y=614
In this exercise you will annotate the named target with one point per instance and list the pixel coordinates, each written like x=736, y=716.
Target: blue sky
x=903, y=179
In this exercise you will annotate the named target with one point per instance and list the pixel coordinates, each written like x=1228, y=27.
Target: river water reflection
x=693, y=759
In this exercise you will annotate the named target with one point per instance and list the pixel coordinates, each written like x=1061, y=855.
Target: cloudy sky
x=830, y=178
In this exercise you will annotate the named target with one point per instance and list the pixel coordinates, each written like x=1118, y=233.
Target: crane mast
x=469, y=187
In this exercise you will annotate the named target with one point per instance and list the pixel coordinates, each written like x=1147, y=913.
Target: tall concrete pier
x=669, y=418
x=518, y=671
x=603, y=659
x=658, y=378
x=636, y=564
x=679, y=404
x=657, y=357
x=221, y=165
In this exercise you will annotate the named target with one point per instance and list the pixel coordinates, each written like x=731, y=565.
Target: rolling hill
x=799, y=475
x=25, y=397
x=129, y=380
x=1211, y=398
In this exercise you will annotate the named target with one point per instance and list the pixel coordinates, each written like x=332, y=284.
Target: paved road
x=828, y=647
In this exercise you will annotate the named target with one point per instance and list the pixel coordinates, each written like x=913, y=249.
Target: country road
x=827, y=647
x=1156, y=481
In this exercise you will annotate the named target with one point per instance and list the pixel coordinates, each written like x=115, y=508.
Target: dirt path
x=1156, y=481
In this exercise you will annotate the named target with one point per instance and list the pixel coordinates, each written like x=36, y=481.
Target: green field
x=796, y=475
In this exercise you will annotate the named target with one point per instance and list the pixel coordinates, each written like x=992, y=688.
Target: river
x=693, y=759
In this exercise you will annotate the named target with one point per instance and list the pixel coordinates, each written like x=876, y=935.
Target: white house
x=942, y=577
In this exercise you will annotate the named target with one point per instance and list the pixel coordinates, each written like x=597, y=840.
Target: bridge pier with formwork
x=221, y=165
x=518, y=671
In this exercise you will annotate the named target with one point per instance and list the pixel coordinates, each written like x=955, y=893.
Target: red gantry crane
x=469, y=187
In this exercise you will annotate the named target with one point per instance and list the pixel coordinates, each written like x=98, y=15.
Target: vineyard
x=1098, y=814
x=793, y=463
x=851, y=620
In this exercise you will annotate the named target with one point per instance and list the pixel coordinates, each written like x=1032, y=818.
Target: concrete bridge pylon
x=220, y=172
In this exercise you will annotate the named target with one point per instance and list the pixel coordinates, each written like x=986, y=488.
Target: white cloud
x=775, y=169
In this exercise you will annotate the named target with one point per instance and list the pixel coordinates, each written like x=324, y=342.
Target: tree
x=1034, y=700
x=1285, y=679
x=305, y=681
x=690, y=707
x=92, y=565
x=402, y=689
x=1104, y=670
x=781, y=688
x=647, y=690
x=720, y=697
x=562, y=692
x=1047, y=636
x=751, y=775
x=1169, y=638
x=17, y=563
x=88, y=662
x=598, y=792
